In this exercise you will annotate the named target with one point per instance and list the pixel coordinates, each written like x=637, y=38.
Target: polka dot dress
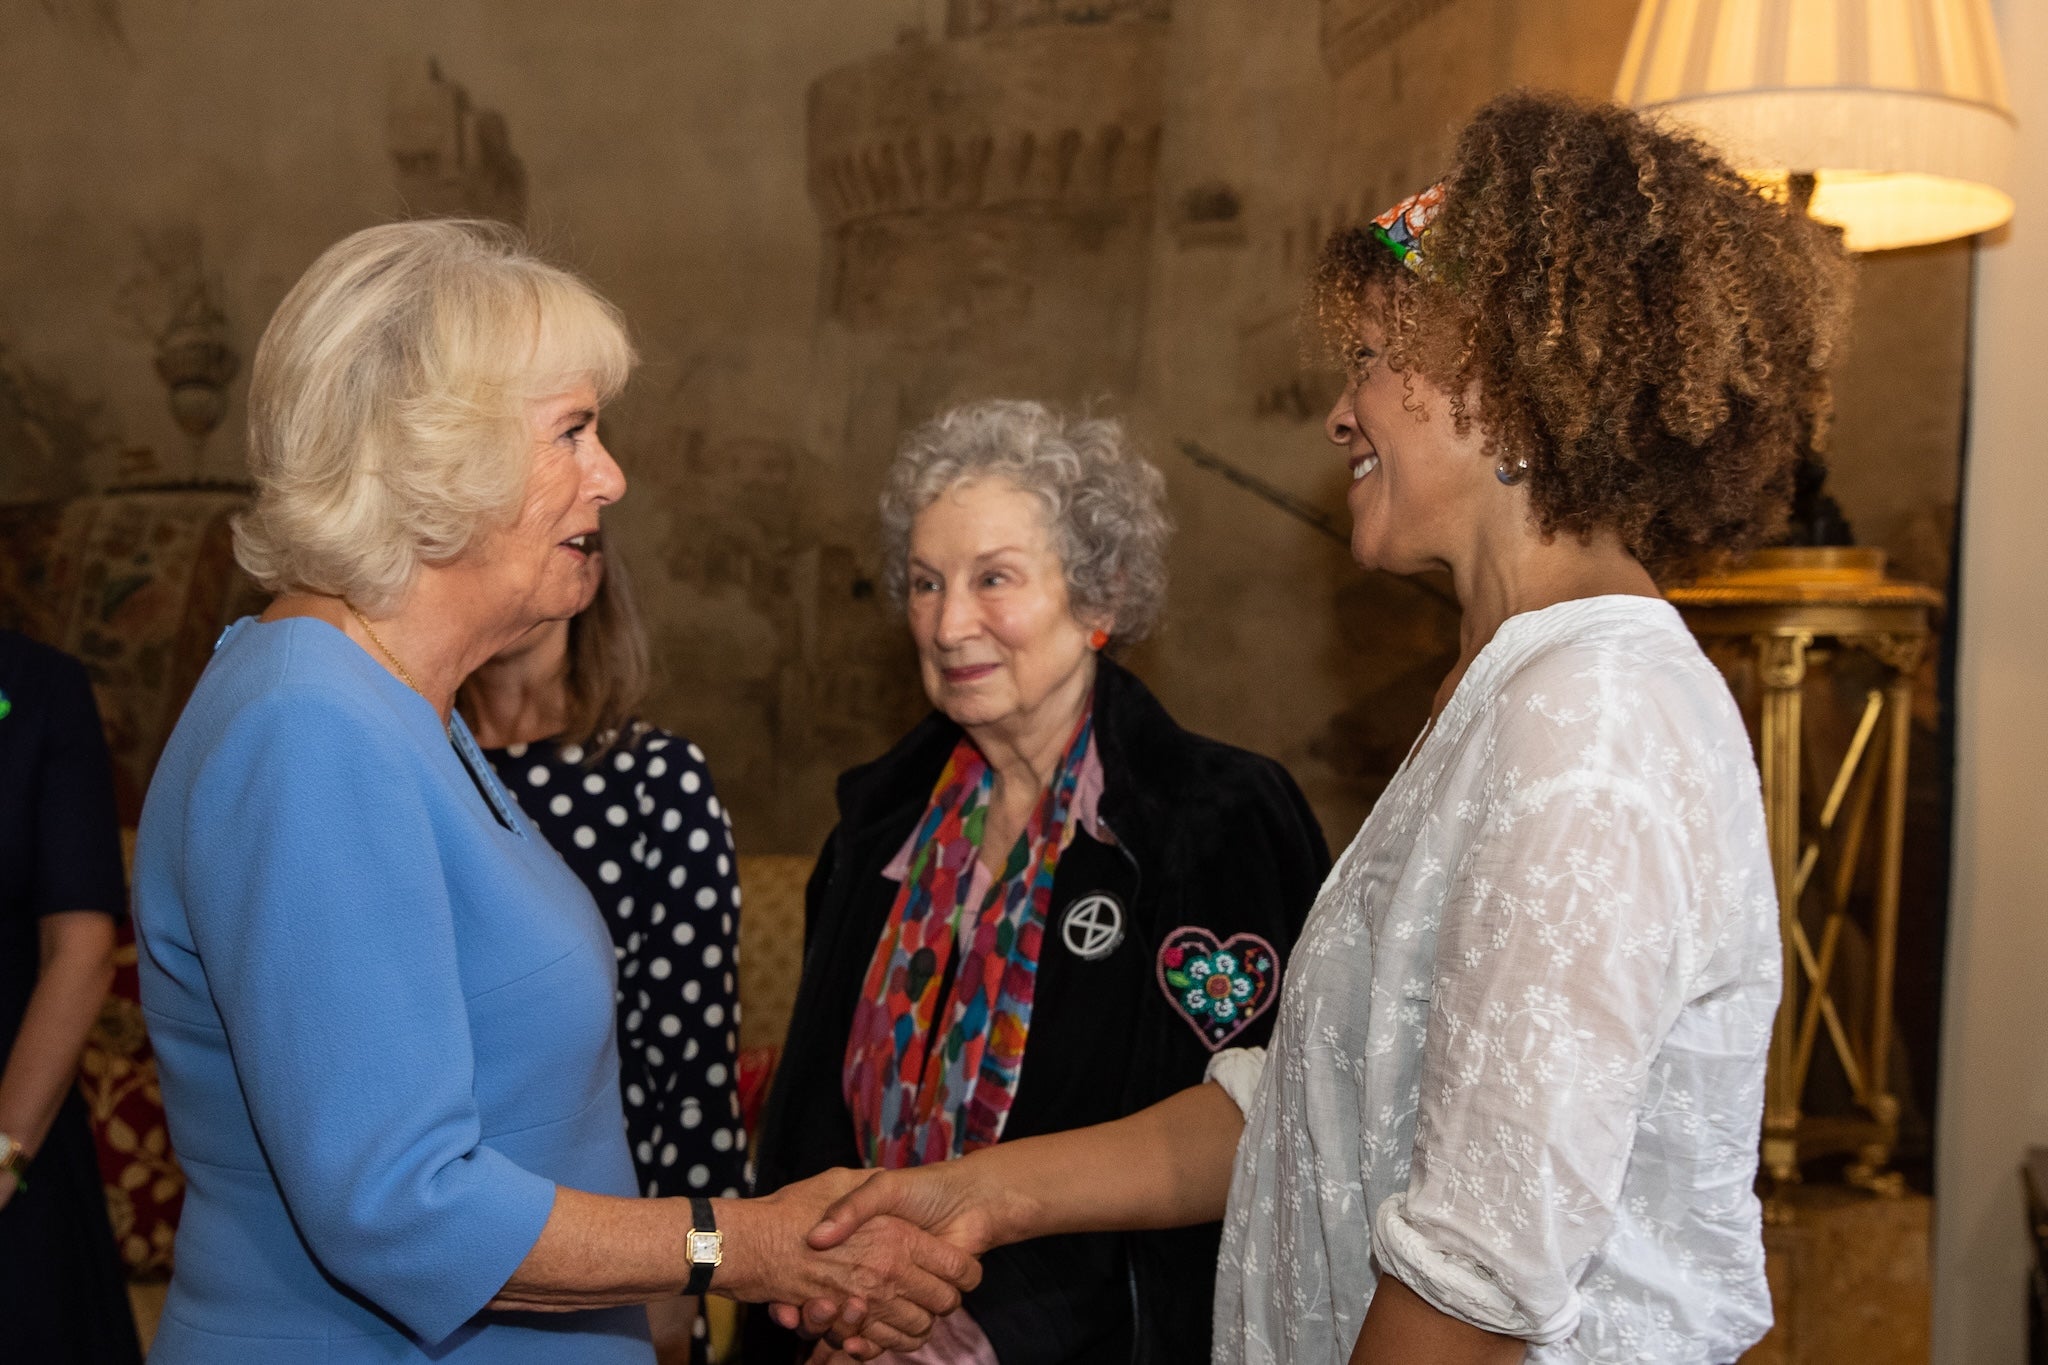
x=644, y=830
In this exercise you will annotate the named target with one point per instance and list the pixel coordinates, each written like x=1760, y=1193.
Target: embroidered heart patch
x=1219, y=988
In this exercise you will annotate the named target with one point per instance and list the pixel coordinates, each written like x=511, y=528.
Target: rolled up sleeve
x=1238, y=1071
x=1560, y=967
x=319, y=909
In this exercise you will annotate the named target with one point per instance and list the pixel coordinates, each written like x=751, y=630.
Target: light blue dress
x=382, y=1012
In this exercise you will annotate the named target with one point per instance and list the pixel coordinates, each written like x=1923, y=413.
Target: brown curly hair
x=1627, y=314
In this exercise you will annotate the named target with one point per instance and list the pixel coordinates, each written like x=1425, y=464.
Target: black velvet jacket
x=1205, y=835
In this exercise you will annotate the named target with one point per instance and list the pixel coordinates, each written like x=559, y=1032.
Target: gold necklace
x=377, y=640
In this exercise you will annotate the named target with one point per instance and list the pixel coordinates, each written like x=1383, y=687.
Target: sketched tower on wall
x=986, y=202
x=453, y=158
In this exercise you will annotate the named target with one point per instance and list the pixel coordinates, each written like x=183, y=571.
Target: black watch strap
x=700, y=1221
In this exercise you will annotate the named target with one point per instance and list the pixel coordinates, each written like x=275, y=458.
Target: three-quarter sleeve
x=1562, y=959
x=322, y=916
x=77, y=839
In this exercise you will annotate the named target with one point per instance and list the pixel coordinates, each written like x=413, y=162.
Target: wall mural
x=49, y=433
x=174, y=302
x=453, y=157
x=96, y=20
x=825, y=226
x=965, y=17
x=1356, y=29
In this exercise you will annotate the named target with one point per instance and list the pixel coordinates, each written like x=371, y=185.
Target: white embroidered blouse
x=1519, y=1060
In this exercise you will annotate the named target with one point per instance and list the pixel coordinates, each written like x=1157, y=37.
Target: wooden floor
x=149, y=1306
x=1851, y=1280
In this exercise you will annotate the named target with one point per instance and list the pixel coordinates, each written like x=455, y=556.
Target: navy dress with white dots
x=641, y=826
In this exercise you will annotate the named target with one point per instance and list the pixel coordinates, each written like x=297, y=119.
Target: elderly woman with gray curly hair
x=1048, y=905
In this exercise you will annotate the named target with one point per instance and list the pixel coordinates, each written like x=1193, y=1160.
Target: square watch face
x=706, y=1248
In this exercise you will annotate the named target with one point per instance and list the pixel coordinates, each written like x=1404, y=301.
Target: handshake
x=873, y=1261
x=865, y=1261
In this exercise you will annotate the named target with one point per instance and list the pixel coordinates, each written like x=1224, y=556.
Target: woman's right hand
x=886, y=1278
x=947, y=1200
x=1166, y=1166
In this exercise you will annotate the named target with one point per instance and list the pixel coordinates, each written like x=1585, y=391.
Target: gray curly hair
x=1104, y=505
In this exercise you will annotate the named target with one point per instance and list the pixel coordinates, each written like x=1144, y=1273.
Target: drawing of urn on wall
x=196, y=364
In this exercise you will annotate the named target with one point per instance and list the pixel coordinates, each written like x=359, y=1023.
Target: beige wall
x=824, y=219
x=662, y=145
x=1994, y=1100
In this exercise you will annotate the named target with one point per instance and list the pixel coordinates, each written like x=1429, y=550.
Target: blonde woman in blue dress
x=382, y=1006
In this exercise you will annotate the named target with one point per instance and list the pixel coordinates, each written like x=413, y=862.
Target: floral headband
x=1400, y=229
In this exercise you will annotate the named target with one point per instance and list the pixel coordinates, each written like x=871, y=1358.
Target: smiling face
x=545, y=565
x=997, y=641
x=1421, y=494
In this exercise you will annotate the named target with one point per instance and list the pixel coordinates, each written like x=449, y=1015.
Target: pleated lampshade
x=1897, y=108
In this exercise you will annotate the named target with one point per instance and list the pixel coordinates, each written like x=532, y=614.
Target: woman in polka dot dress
x=631, y=810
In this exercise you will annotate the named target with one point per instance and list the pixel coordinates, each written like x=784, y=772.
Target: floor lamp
x=1889, y=120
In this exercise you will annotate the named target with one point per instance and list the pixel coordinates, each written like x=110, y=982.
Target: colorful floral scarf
x=920, y=1090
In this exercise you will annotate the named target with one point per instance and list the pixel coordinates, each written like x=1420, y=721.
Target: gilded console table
x=1765, y=623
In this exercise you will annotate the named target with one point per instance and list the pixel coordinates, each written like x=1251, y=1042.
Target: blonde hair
x=387, y=403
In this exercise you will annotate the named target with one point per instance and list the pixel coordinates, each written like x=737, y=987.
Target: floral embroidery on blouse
x=1518, y=1059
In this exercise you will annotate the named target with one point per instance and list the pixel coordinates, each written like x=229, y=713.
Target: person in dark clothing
x=1048, y=905
x=63, y=1297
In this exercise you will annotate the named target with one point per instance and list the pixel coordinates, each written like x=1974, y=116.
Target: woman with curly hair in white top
x=1512, y=1100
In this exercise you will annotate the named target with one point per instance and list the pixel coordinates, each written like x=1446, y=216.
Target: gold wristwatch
x=706, y=1246
x=14, y=1160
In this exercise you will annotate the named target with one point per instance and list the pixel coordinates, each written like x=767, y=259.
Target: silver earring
x=1512, y=474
